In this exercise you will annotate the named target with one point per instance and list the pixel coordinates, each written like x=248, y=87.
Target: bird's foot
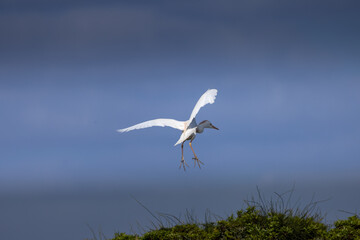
x=182, y=164
x=197, y=161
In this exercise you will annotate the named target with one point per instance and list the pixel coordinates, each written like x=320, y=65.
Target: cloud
x=132, y=32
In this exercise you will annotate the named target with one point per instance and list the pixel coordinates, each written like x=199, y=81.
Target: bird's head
x=207, y=124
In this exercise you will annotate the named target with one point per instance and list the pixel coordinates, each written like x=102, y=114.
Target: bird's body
x=189, y=133
x=189, y=128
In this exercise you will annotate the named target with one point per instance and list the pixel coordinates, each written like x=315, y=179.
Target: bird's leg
x=196, y=160
x=182, y=163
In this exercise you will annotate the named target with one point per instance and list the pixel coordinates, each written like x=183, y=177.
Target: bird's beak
x=214, y=127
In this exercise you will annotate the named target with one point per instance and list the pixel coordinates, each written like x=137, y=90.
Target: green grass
x=274, y=218
x=252, y=224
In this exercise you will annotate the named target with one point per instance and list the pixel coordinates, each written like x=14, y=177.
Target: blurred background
x=72, y=72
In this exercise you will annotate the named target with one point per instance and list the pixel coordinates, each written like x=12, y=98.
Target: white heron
x=189, y=128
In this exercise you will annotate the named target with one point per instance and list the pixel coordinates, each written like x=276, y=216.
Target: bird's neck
x=200, y=128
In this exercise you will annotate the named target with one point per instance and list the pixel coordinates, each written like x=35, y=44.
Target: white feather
x=161, y=122
x=208, y=97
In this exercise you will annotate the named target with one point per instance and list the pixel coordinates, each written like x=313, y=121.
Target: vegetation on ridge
x=252, y=224
x=262, y=219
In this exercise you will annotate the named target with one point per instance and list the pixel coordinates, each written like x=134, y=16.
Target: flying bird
x=189, y=128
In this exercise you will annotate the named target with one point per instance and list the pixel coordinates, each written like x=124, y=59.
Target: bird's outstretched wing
x=208, y=97
x=161, y=122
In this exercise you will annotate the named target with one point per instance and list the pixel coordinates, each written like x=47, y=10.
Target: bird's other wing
x=161, y=122
x=208, y=97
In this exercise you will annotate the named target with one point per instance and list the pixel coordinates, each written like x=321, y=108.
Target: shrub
x=263, y=219
x=345, y=229
x=248, y=224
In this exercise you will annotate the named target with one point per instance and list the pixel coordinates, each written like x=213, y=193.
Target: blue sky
x=72, y=72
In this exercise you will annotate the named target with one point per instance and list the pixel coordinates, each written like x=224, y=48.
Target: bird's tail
x=178, y=142
x=182, y=138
